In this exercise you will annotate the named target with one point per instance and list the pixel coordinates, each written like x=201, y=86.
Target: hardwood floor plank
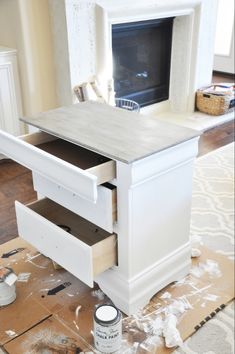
x=15, y=184
x=216, y=138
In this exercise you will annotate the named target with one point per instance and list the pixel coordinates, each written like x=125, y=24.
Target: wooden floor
x=15, y=184
x=216, y=138
x=16, y=181
x=217, y=78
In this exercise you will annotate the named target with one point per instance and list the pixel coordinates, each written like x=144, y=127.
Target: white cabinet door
x=10, y=99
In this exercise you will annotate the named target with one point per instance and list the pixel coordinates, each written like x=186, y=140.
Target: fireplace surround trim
x=82, y=32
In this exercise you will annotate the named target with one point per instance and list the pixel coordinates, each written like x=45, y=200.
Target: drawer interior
x=78, y=227
x=100, y=166
x=73, y=154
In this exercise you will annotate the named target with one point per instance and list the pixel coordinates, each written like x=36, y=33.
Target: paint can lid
x=106, y=314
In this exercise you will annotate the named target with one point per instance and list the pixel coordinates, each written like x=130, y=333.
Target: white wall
x=224, y=40
x=25, y=25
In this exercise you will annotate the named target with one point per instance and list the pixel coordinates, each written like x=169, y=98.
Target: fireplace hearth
x=141, y=60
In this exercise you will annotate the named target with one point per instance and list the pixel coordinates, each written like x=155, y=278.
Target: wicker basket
x=216, y=99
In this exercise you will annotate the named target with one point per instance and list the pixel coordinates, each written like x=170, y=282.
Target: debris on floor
x=54, y=310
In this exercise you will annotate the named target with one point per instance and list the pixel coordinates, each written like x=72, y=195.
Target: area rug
x=212, y=224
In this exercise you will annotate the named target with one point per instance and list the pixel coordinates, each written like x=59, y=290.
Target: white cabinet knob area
x=10, y=97
x=122, y=184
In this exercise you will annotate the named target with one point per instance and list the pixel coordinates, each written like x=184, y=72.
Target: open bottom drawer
x=85, y=250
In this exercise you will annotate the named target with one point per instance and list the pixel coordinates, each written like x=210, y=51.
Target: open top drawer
x=76, y=244
x=68, y=165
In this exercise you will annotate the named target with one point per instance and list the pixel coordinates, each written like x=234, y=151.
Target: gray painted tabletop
x=112, y=132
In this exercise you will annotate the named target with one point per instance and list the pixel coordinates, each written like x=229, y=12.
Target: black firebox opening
x=141, y=60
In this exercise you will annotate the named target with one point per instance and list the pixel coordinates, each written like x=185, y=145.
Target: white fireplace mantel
x=82, y=32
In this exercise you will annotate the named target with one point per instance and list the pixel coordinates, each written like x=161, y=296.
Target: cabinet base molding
x=131, y=295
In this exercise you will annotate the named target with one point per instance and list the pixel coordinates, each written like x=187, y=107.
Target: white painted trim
x=168, y=160
x=10, y=100
x=5, y=51
x=132, y=294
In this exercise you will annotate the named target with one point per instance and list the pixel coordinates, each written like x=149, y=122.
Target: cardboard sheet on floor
x=48, y=296
x=50, y=336
x=25, y=312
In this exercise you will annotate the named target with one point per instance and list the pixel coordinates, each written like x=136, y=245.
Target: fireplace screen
x=141, y=60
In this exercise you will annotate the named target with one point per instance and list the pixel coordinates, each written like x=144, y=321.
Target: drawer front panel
x=67, y=250
x=71, y=177
x=102, y=213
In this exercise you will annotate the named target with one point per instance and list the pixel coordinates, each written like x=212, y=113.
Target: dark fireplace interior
x=141, y=58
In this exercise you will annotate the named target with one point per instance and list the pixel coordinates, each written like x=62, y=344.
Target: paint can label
x=107, y=328
x=108, y=338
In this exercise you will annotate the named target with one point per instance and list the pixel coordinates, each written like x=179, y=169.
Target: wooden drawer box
x=85, y=250
x=68, y=165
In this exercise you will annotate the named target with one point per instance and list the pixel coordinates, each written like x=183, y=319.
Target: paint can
x=107, y=328
x=7, y=286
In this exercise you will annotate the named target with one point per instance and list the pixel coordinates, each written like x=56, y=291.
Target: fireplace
x=141, y=60
x=83, y=30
